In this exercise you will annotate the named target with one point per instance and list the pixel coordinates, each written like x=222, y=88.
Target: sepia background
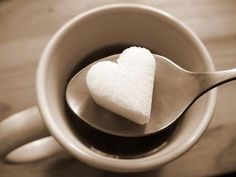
x=27, y=25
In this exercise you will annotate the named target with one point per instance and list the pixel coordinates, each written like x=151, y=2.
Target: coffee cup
x=51, y=129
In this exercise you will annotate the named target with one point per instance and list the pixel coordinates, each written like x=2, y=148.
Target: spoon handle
x=209, y=80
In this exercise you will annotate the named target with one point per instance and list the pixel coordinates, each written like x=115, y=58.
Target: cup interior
x=102, y=32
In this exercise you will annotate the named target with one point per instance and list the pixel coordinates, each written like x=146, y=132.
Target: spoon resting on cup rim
x=177, y=89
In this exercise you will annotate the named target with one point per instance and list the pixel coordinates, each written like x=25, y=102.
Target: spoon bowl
x=175, y=89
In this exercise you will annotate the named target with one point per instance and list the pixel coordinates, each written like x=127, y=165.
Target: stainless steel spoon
x=174, y=91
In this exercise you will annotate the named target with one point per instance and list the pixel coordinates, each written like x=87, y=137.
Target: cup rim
x=87, y=155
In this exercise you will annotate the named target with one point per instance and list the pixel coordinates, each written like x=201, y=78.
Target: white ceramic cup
x=98, y=28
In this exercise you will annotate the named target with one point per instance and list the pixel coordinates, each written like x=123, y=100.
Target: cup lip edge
x=89, y=156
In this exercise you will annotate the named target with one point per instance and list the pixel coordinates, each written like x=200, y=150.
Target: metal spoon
x=174, y=91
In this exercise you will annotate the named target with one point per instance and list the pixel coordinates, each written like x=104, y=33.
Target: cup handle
x=25, y=138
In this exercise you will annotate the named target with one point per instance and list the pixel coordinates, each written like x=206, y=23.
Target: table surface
x=25, y=28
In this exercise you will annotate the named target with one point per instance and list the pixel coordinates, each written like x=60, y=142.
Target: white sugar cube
x=125, y=87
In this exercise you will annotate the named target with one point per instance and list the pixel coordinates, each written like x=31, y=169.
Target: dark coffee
x=110, y=145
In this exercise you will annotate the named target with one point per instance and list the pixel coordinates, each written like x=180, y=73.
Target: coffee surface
x=110, y=145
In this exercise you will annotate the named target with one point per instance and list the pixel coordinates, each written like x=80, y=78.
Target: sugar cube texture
x=125, y=87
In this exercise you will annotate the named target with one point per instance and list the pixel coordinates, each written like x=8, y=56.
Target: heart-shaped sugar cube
x=125, y=87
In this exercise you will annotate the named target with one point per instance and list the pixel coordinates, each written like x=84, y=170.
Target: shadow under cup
x=107, y=31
